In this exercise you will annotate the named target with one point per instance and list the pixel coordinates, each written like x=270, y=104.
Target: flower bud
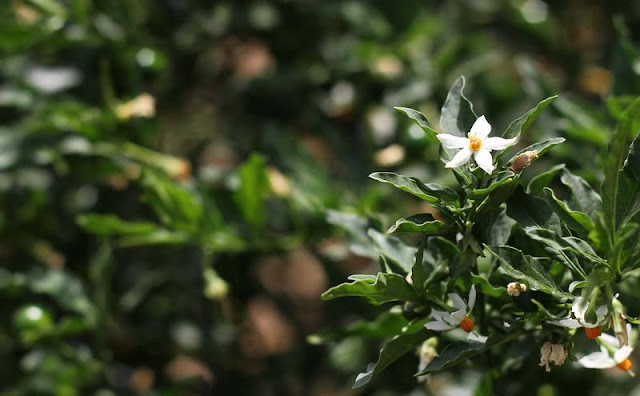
x=515, y=288
x=523, y=160
x=552, y=353
x=144, y=105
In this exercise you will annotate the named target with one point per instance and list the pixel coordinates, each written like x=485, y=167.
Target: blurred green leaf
x=419, y=119
x=521, y=124
x=253, y=189
x=430, y=192
x=423, y=223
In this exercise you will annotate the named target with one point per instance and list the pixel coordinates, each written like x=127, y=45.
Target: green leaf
x=501, y=179
x=432, y=193
x=457, y=115
x=419, y=118
x=423, y=223
x=559, y=249
x=392, y=351
x=487, y=288
x=494, y=226
x=387, y=324
x=621, y=188
x=575, y=220
x=254, y=187
x=357, y=227
x=526, y=268
x=583, y=198
x=522, y=123
x=112, y=225
x=385, y=288
x=540, y=147
x=542, y=180
x=529, y=211
x=458, y=352
x=394, y=250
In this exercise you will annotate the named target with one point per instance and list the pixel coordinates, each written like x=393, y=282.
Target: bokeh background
x=170, y=173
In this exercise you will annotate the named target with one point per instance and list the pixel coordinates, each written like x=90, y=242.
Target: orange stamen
x=625, y=365
x=593, y=332
x=475, y=143
x=466, y=324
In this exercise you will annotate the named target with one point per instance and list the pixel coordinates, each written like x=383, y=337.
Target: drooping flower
x=552, y=353
x=477, y=143
x=612, y=354
x=459, y=318
x=579, y=309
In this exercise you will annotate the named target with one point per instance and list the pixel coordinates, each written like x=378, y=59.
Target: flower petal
x=497, y=143
x=566, y=323
x=439, y=315
x=461, y=158
x=472, y=298
x=438, y=326
x=477, y=337
x=610, y=340
x=481, y=128
x=579, y=308
x=457, y=301
x=622, y=354
x=484, y=160
x=457, y=317
x=597, y=360
x=601, y=312
x=452, y=142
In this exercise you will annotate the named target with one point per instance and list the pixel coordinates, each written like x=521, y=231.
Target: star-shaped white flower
x=611, y=355
x=579, y=309
x=450, y=320
x=477, y=143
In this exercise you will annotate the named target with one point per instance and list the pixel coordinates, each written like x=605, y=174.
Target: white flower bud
x=515, y=288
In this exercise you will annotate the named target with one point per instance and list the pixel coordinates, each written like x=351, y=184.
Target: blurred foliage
x=147, y=250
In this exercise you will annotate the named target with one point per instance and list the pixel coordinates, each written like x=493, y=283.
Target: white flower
x=604, y=359
x=427, y=352
x=552, y=353
x=450, y=320
x=477, y=143
x=579, y=309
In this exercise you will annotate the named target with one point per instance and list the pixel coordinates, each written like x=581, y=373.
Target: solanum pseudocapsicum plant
x=501, y=260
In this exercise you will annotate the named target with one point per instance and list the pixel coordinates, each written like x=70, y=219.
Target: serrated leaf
x=522, y=123
x=385, y=288
x=542, y=180
x=530, y=269
x=430, y=192
x=392, y=351
x=419, y=119
x=620, y=188
x=423, y=223
x=458, y=352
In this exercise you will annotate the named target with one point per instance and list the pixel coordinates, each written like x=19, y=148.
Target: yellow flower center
x=466, y=324
x=625, y=365
x=475, y=143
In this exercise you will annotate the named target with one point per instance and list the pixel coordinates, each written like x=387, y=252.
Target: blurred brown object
x=251, y=59
x=142, y=379
x=184, y=367
x=25, y=14
x=596, y=80
x=269, y=332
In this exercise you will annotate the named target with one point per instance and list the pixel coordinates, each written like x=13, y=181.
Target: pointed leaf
x=542, y=180
x=457, y=114
x=419, y=118
x=394, y=250
x=576, y=221
x=392, y=351
x=385, y=288
x=523, y=122
x=432, y=193
x=540, y=147
x=529, y=211
x=583, y=198
x=423, y=223
x=530, y=269
x=620, y=188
